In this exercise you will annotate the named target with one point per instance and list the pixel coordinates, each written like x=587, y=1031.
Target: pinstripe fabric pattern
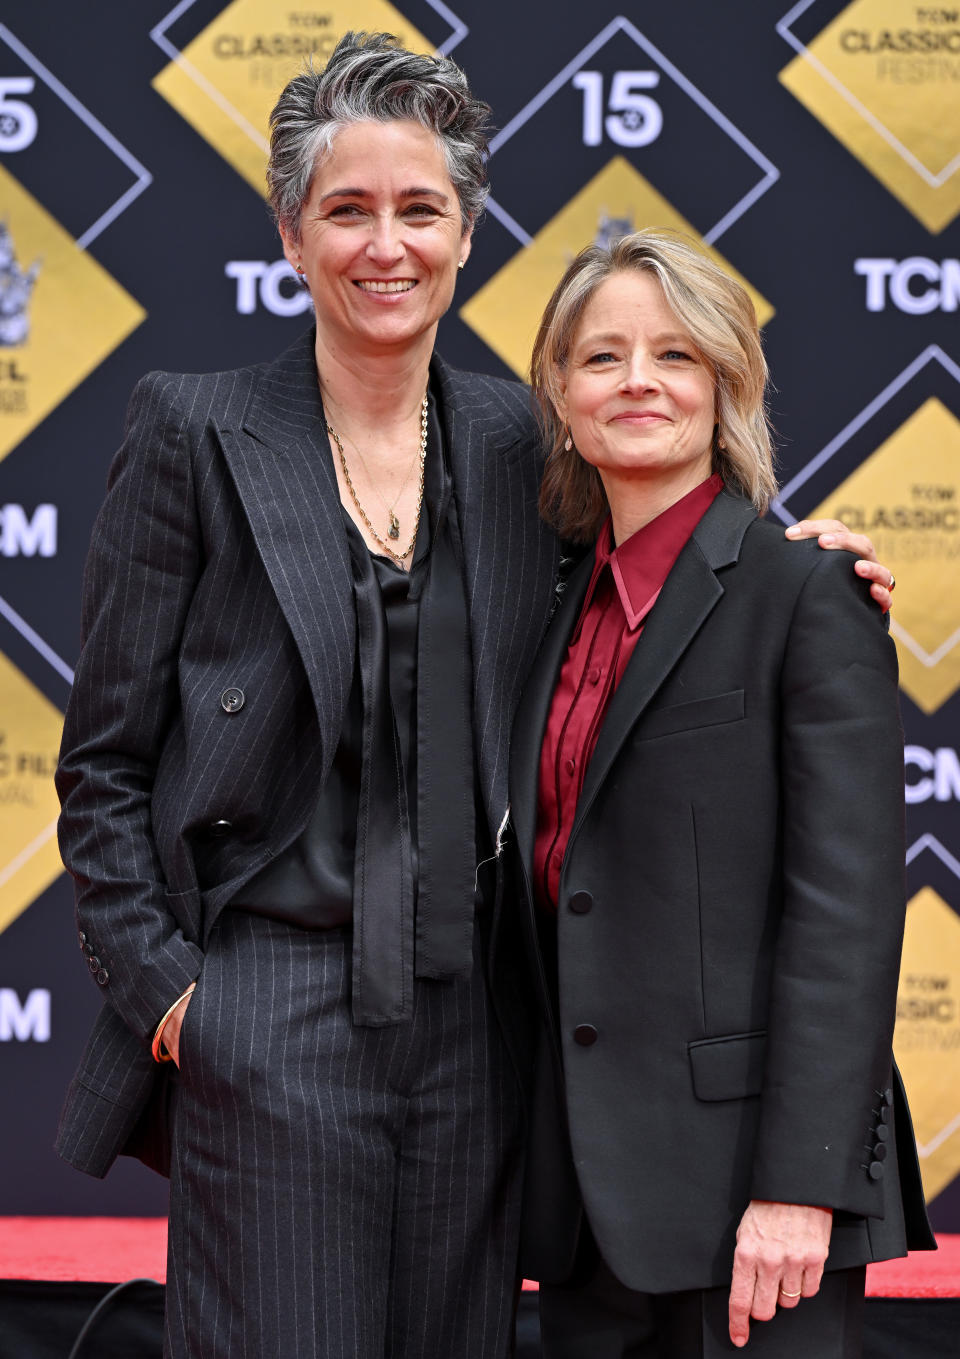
x=336, y=1191
x=280, y=1229
x=219, y=560
x=489, y=428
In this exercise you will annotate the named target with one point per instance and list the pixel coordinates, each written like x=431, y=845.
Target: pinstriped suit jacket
x=220, y=560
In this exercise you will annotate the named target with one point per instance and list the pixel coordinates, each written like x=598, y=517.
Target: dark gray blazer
x=220, y=562
x=729, y=924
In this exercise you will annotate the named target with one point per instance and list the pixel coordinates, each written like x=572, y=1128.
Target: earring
x=300, y=270
x=461, y=264
x=568, y=443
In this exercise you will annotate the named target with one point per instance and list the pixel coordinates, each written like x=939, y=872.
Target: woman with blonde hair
x=707, y=790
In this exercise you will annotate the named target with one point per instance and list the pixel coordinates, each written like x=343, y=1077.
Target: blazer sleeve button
x=881, y=1132
x=888, y=1096
x=103, y=976
x=93, y=963
x=581, y=903
x=81, y=938
x=232, y=700
x=876, y=1170
x=880, y=1151
x=585, y=1034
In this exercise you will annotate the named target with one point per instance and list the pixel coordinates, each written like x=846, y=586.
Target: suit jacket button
x=103, y=976
x=881, y=1132
x=876, y=1170
x=232, y=700
x=886, y=1113
x=888, y=1096
x=880, y=1151
x=585, y=1034
x=581, y=903
x=218, y=828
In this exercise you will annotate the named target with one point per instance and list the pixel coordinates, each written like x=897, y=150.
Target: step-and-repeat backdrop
x=814, y=150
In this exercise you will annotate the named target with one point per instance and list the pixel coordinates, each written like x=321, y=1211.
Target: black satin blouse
x=311, y=883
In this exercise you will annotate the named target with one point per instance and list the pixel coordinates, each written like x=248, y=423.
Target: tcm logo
x=23, y=537
x=274, y=286
x=916, y=285
x=939, y=772
x=921, y=997
x=26, y=1022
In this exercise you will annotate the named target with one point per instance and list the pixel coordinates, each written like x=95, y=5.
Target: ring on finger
x=791, y=1295
x=893, y=581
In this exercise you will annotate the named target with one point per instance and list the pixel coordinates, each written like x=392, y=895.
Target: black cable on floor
x=105, y=1302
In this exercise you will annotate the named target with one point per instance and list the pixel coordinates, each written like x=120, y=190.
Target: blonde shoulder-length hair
x=720, y=318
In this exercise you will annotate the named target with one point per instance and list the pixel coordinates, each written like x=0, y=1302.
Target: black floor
x=43, y=1321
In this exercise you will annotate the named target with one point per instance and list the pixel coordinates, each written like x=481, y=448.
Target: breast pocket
x=699, y=712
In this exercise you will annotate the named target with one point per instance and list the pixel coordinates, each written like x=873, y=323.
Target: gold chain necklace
x=398, y=557
x=393, y=532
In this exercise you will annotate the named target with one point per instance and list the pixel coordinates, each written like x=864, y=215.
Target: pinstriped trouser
x=338, y=1192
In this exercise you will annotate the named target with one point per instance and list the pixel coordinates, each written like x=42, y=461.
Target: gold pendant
x=394, y=529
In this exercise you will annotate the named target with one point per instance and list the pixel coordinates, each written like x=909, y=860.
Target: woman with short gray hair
x=314, y=591
x=283, y=808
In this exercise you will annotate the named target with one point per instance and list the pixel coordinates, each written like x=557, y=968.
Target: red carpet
x=110, y=1249
x=88, y=1249
x=924, y=1274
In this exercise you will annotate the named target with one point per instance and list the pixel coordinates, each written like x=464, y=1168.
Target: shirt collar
x=641, y=564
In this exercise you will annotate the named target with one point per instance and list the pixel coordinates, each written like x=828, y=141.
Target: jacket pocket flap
x=699, y=712
x=729, y=1067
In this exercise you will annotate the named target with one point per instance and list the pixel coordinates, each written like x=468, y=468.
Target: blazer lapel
x=510, y=558
x=279, y=457
x=689, y=596
x=534, y=709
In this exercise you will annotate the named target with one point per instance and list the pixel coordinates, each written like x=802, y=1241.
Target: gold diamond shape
x=908, y=95
x=905, y=497
x=77, y=315
x=227, y=80
x=927, y=1038
x=29, y=739
x=506, y=311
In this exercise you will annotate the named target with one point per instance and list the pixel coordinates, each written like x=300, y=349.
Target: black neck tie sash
x=388, y=948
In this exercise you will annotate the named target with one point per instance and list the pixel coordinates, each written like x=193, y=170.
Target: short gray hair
x=370, y=77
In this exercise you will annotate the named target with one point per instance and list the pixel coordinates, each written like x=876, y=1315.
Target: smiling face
x=380, y=238
x=637, y=394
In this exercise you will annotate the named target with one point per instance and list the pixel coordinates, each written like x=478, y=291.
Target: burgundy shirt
x=624, y=587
